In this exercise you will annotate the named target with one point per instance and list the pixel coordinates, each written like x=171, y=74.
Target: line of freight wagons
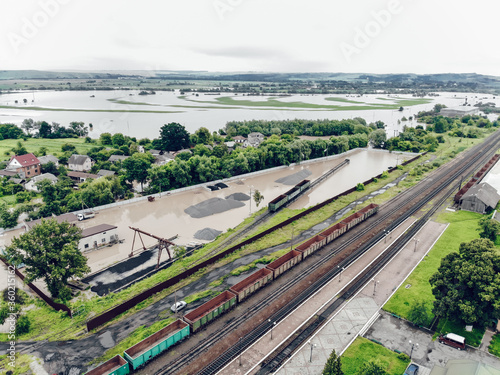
x=193, y=321
x=284, y=198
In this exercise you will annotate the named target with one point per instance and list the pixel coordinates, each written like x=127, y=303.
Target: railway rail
x=406, y=204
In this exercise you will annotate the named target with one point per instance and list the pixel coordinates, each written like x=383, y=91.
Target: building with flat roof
x=100, y=235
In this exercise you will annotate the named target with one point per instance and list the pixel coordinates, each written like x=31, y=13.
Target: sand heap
x=207, y=234
x=295, y=178
x=239, y=197
x=212, y=206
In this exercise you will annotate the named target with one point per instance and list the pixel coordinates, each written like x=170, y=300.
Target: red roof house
x=26, y=166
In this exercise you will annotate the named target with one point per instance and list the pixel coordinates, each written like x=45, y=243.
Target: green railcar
x=157, y=343
x=276, y=203
x=210, y=310
x=115, y=366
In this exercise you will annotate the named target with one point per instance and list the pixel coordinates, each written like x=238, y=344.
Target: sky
x=372, y=36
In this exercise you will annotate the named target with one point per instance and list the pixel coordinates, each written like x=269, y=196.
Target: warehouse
x=100, y=235
x=479, y=198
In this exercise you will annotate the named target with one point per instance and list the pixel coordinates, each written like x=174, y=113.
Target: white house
x=26, y=166
x=100, y=235
x=81, y=163
x=31, y=184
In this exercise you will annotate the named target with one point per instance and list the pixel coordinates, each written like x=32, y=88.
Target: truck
x=85, y=215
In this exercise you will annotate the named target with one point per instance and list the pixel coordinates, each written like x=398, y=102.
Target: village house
x=31, y=184
x=114, y=158
x=44, y=160
x=80, y=177
x=26, y=166
x=80, y=163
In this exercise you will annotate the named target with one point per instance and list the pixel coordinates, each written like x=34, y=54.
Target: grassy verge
x=21, y=365
x=48, y=324
x=463, y=228
x=494, y=347
x=471, y=338
x=53, y=146
x=363, y=350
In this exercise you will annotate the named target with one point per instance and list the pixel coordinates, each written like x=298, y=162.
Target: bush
x=23, y=325
x=403, y=357
x=360, y=187
x=23, y=196
x=385, y=174
x=20, y=296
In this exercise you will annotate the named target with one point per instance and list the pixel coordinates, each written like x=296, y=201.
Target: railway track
x=368, y=234
x=268, y=214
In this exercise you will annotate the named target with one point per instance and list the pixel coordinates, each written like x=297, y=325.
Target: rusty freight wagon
x=311, y=245
x=353, y=220
x=115, y=366
x=284, y=263
x=252, y=283
x=334, y=231
x=369, y=210
x=157, y=343
x=210, y=310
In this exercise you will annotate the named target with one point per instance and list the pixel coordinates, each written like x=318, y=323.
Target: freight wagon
x=210, y=310
x=283, y=199
x=157, y=343
x=252, y=283
x=193, y=321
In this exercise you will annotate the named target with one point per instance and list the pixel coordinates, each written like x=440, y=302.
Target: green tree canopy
x=50, y=252
x=378, y=138
x=467, y=284
x=372, y=367
x=489, y=228
x=333, y=365
x=173, y=137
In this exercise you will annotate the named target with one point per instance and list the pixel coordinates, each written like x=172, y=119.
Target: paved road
x=395, y=333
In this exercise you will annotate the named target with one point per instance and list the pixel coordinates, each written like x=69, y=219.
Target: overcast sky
x=374, y=36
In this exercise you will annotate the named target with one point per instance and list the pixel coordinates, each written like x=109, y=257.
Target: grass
x=20, y=366
x=49, y=324
x=363, y=350
x=463, y=228
x=53, y=146
x=494, y=347
x=133, y=338
x=274, y=103
x=473, y=338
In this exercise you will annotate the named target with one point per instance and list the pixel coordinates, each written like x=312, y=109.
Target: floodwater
x=196, y=111
x=165, y=217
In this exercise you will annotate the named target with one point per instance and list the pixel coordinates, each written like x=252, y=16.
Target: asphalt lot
x=395, y=334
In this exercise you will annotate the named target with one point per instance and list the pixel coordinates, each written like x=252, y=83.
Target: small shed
x=100, y=235
x=479, y=198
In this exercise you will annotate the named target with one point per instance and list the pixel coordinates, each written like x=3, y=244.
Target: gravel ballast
x=212, y=206
x=295, y=178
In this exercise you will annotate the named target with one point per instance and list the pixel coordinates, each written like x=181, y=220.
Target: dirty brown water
x=165, y=217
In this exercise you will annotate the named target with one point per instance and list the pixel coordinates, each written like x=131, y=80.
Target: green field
x=274, y=103
x=53, y=145
x=494, y=347
x=463, y=228
x=362, y=350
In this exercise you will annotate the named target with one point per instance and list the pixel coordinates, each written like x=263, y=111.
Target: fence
x=117, y=310
x=42, y=295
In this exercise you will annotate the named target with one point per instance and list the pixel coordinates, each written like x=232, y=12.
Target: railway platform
x=352, y=318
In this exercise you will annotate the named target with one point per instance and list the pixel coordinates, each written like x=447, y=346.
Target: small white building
x=31, y=184
x=80, y=163
x=100, y=235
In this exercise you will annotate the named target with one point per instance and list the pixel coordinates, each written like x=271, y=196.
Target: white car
x=178, y=306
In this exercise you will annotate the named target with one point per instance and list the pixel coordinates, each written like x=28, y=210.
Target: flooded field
x=142, y=115
x=166, y=216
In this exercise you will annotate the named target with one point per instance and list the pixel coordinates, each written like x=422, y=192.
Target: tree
x=50, y=252
x=333, y=365
x=372, y=367
x=45, y=130
x=27, y=125
x=105, y=139
x=377, y=138
x=137, y=167
x=79, y=128
x=467, y=284
x=257, y=197
x=419, y=313
x=19, y=149
x=118, y=139
x=203, y=136
x=489, y=228
x=173, y=137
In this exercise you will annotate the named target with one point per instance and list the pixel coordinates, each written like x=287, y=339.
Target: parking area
x=395, y=334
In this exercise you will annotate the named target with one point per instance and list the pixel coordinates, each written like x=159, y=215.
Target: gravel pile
x=212, y=206
x=295, y=178
x=207, y=234
x=239, y=197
